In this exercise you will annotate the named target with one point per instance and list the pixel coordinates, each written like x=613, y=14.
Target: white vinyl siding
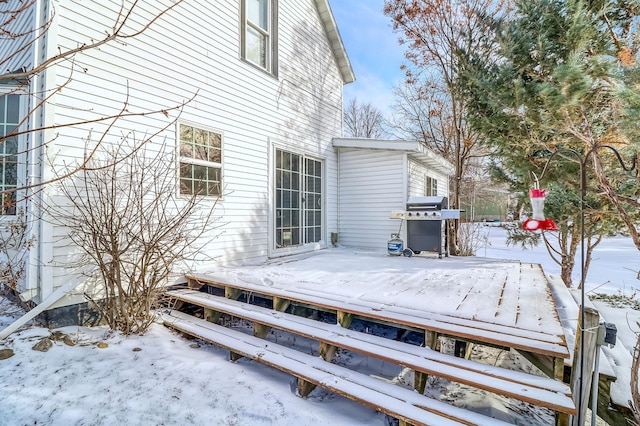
x=302, y=111
x=17, y=46
x=420, y=175
x=372, y=185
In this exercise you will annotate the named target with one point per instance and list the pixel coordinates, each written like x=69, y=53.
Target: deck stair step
x=402, y=403
x=537, y=390
x=468, y=329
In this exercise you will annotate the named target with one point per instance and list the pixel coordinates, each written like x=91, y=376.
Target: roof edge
x=413, y=148
x=335, y=41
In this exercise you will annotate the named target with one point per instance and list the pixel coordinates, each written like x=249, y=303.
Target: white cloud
x=373, y=49
x=371, y=88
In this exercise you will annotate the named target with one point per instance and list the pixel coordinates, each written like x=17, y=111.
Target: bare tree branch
x=363, y=121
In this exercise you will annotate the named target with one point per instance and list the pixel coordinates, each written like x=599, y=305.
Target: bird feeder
x=537, y=221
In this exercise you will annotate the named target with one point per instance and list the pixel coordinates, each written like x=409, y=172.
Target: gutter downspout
x=34, y=168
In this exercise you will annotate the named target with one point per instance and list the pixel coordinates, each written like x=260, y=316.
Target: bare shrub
x=133, y=228
x=14, y=249
x=471, y=237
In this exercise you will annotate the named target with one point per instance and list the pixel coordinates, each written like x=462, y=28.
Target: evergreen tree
x=561, y=76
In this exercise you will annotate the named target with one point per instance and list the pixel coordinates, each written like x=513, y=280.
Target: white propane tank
x=395, y=245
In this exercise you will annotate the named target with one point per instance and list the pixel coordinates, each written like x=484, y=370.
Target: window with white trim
x=431, y=187
x=9, y=121
x=200, y=161
x=259, y=23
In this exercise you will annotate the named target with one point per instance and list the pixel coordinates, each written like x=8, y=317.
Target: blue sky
x=373, y=49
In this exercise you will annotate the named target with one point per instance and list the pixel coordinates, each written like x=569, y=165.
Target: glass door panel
x=298, y=199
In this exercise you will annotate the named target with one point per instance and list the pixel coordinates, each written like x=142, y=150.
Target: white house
x=265, y=78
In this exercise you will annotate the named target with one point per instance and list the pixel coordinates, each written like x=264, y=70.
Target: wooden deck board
x=511, y=298
x=495, y=334
x=534, y=301
x=392, y=399
x=536, y=390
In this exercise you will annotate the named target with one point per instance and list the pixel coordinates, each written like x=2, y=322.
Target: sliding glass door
x=298, y=199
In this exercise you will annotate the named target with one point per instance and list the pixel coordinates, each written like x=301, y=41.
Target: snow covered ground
x=92, y=377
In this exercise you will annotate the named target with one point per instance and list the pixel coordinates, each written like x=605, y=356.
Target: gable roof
x=335, y=41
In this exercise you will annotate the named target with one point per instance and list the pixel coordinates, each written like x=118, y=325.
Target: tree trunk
x=454, y=203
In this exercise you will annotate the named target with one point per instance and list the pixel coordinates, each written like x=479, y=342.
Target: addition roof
x=414, y=149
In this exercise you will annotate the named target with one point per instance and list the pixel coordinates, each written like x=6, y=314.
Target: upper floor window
x=200, y=161
x=259, y=23
x=431, y=187
x=9, y=121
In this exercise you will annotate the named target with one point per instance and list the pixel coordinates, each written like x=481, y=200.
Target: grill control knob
x=418, y=214
x=410, y=214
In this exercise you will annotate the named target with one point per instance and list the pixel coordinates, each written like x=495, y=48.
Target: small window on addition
x=200, y=161
x=431, y=187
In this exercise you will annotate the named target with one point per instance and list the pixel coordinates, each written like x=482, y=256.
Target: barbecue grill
x=426, y=224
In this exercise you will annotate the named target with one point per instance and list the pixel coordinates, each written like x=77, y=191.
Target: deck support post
x=305, y=387
x=420, y=381
x=194, y=284
x=545, y=363
x=344, y=319
x=211, y=315
x=469, y=351
x=558, y=369
x=431, y=340
x=327, y=351
x=175, y=304
x=280, y=304
x=562, y=419
x=232, y=293
x=581, y=371
x=233, y=356
x=260, y=330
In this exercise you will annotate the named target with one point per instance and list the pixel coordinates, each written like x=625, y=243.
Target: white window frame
x=199, y=162
x=431, y=186
x=269, y=33
x=21, y=150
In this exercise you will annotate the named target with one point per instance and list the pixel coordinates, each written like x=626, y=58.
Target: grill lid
x=427, y=203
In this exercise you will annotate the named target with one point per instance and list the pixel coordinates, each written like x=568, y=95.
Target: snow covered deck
x=488, y=298
x=507, y=304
